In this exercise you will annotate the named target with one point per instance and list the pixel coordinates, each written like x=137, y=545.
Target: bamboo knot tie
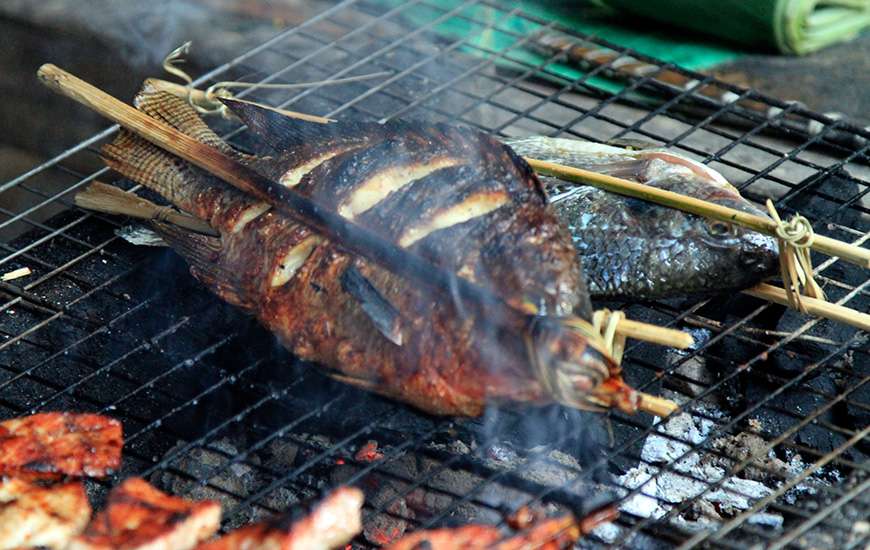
x=795, y=237
x=605, y=322
x=208, y=101
x=205, y=103
x=162, y=213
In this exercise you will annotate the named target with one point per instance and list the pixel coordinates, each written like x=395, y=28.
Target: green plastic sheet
x=495, y=31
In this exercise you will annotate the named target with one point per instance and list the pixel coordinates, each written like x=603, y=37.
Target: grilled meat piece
x=139, y=517
x=630, y=248
x=56, y=443
x=452, y=195
x=330, y=523
x=32, y=515
x=547, y=534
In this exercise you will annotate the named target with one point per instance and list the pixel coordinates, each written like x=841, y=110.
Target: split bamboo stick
x=111, y=200
x=654, y=333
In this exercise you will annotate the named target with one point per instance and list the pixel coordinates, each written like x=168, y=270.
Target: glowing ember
x=369, y=452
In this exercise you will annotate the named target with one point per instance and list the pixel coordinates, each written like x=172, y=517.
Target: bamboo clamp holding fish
x=832, y=247
x=355, y=239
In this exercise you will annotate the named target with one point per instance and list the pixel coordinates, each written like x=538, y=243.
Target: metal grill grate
x=772, y=452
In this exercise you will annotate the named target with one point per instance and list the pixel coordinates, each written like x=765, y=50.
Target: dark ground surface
x=103, y=39
x=833, y=80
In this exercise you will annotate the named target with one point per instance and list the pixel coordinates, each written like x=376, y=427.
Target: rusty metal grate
x=772, y=452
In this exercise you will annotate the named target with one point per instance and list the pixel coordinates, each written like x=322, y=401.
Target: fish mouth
x=759, y=253
x=759, y=256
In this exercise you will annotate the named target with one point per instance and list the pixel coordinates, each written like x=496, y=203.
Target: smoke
x=144, y=32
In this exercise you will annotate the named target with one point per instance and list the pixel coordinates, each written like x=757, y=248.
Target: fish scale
x=632, y=249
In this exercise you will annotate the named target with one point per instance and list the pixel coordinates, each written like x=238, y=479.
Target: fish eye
x=719, y=228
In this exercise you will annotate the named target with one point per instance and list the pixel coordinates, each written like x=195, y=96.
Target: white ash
x=773, y=521
x=140, y=235
x=689, y=476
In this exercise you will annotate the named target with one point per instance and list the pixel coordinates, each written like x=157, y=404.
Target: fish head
x=630, y=248
x=721, y=255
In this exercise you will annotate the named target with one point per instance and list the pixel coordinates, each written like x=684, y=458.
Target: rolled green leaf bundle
x=790, y=26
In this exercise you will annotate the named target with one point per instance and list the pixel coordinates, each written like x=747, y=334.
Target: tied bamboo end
x=656, y=406
x=606, y=322
x=795, y=237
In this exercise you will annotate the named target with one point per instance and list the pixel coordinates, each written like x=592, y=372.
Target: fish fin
x=280, y=132
x=635, y=169
x=179, y=114
x=378, y=309
x=203, y=252
x=145, y=163
x=633, y=144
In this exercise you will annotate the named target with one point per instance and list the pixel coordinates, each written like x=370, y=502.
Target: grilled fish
x=35, y=516
x=331, y=523
x=139, y=517
x=54, y=444
x=630, y=248
x=456, y=197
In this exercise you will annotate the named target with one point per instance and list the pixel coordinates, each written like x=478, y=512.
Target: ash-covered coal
x=764, y=466
x=668, y=479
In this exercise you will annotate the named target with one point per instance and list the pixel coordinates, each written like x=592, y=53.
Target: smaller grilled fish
x=633, y=249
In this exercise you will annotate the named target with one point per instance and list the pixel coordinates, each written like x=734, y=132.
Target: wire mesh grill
x=771, y=452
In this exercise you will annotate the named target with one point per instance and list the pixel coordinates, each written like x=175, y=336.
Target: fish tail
x=184, y=185
x=146, y=164
x=204, y=253
x=179, y=114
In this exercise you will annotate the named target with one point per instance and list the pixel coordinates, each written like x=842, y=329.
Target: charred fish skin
x=633, y=249
x=494, y=227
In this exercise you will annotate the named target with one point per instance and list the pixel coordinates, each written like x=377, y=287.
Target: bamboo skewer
x=654, y=333
x=814, y=306
x=832, y=247
x=352, y=237
x=111, y=200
